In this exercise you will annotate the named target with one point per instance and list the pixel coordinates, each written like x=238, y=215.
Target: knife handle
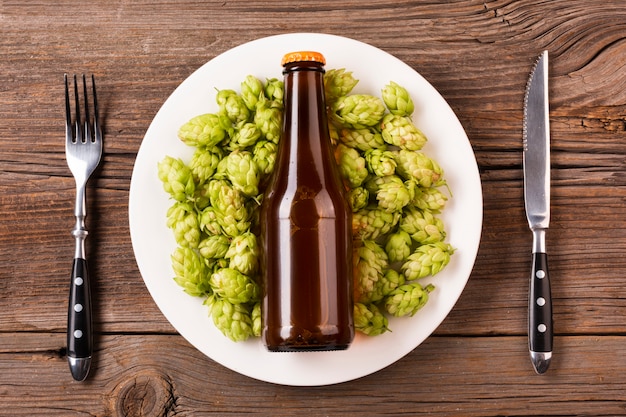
x=79, y=333
x=540, y=305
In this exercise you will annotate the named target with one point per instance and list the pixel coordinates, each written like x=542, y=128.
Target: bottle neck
x=305, y=106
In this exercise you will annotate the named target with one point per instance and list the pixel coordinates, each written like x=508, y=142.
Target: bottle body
x=306, y=228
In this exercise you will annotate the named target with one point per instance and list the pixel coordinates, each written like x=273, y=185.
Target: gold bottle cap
x=302, y=56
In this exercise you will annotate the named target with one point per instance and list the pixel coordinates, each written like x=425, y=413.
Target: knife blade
x=536, y=165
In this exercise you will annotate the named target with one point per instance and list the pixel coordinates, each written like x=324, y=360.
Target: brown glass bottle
x=306, y=225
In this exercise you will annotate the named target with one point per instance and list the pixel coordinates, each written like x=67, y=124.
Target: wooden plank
x=587, y=141
x=157, y=375
x=583, y=279
x=476, y=53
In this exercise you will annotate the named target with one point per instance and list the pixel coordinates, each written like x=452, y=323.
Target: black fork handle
x=79, y=329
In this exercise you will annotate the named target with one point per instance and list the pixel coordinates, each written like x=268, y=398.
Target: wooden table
x=476, y=53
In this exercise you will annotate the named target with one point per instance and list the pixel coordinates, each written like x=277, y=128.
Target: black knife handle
x=540, y=306
x=79, y=333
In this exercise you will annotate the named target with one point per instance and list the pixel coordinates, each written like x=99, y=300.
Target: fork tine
x=79, y=135
x=86, y=129
x=96, y=124
x=68, y=112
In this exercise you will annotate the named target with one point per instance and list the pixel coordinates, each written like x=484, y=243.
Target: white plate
x=153, y=242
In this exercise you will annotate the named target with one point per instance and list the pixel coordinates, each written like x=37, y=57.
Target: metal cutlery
x=83, y=149
x=536, y=161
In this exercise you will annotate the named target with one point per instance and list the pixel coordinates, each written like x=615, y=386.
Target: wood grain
x=476, y=53
x=162, y=375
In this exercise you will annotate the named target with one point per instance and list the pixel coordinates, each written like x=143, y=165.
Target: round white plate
x=153, y=242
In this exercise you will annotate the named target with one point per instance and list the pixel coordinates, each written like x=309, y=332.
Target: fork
x=83, y=149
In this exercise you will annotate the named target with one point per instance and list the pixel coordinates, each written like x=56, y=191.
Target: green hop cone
x=369, y=262
x=369, y=320
x=427, y=260
x=398, y=246
x=190, y=272
x=274, y=91
x=214, y=246
x=358, y=198
x=357, y=111
x=201, y=196
x=177, y=178
x=233, y=221
x=223, y=194
x=264, y=155
x=182, y=218
x=244, y=136
x=421, y=168
x=243, y=253
x=422, y=226
x=268, y=119
x=232, y=106
x=338, y=83
x=241, y=170
x=380, y=162
x=363, y=139
x=233, y=320
x=233, y=286
x=397, y=100
x=230, y=211
x=390, y=191
x=206, y=130
x=251, y=90
x=214, y=265
x=204, y=162
x=207, y=219
x=351, y=165
x=257, y=322
x=392, y=279
x=372, y=222
x=400, y=131
x=407, y=299
x=389, y=281
x=430, y=199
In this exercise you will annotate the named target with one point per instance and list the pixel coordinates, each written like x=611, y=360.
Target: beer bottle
x=306, y=225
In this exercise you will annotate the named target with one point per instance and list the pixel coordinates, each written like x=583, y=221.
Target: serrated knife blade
x=536, y=162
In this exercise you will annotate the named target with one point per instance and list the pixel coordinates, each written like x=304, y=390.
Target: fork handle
x=79, y=334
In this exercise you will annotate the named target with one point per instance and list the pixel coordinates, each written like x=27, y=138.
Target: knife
x=536, y=145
